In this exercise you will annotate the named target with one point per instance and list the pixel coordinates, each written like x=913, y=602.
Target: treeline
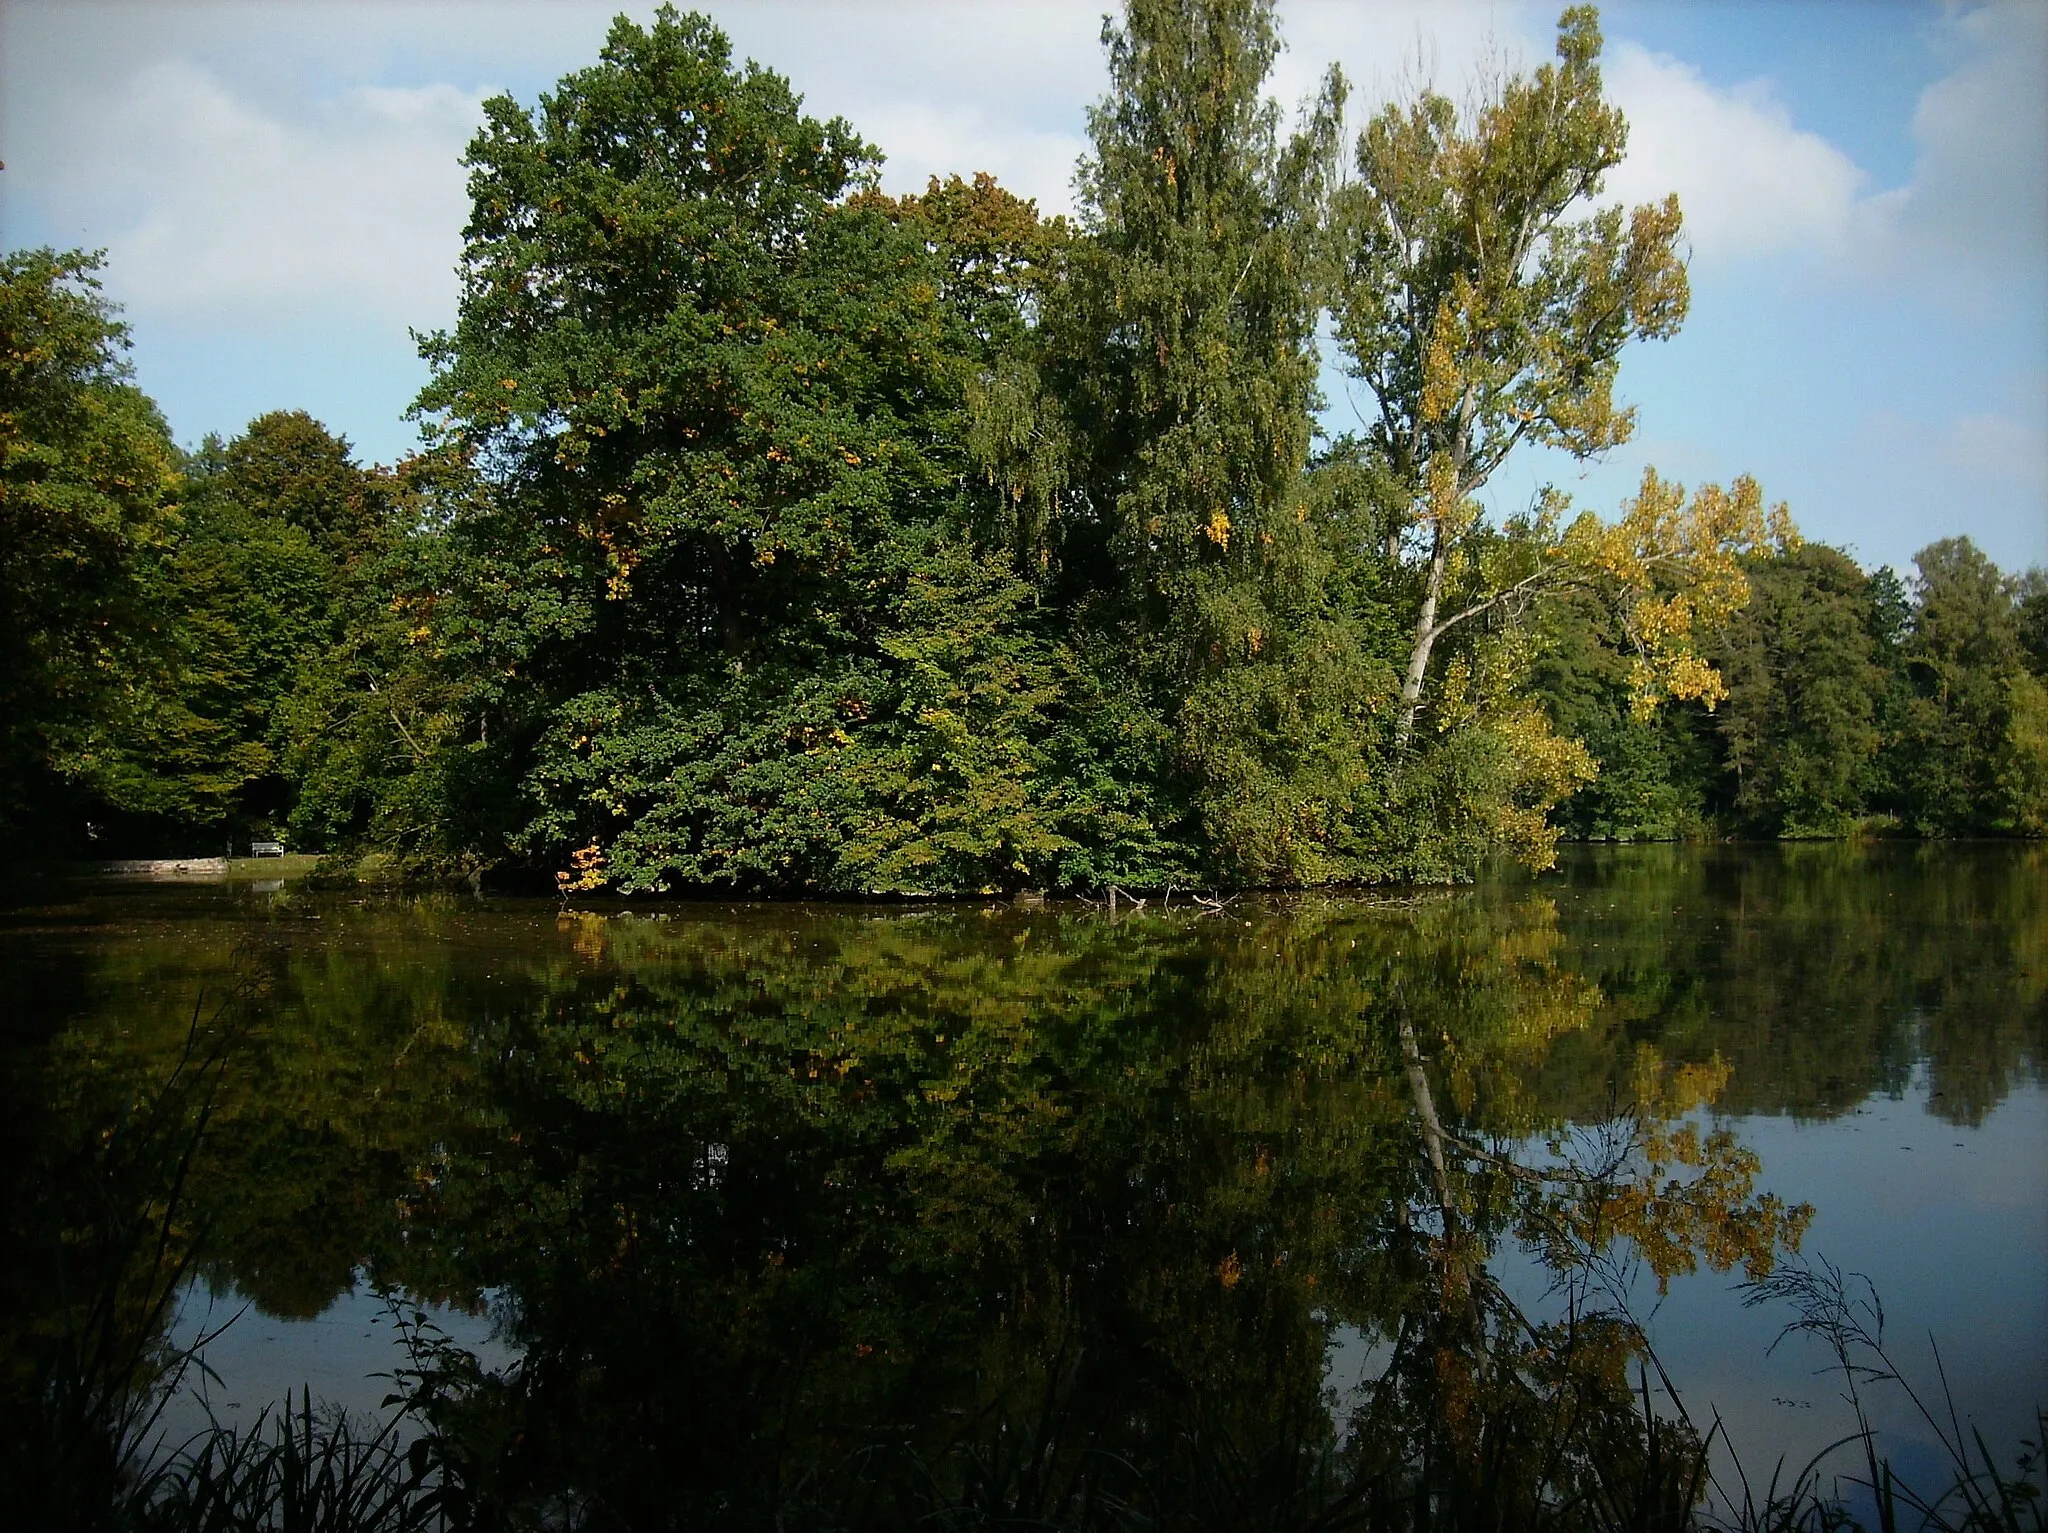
x=774, y=533
x=1854, y=702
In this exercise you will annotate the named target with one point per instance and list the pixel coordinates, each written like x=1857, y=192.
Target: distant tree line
x=1854, y=702
x=774, y=533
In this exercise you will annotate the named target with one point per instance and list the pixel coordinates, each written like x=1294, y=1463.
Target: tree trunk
x=1462, y=1266
x=1432, y=1129
x=1425, y=641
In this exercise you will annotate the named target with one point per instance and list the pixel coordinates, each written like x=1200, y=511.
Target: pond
x=1298, y=1211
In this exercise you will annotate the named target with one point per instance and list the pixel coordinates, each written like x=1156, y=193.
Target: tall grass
x=299, y=1471
x=79, y=1420
x=1846, y=1314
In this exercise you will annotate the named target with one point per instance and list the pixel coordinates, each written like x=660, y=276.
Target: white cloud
x=215, y=207
x=1971, y=221
x=1751, y=181
x=1975, y=214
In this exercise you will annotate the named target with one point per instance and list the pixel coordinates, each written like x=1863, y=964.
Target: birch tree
x=1484, y=302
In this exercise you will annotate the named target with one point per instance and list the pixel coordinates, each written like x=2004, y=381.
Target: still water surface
x=768, y=1206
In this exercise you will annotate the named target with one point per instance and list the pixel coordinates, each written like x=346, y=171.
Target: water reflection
x=828, y=1217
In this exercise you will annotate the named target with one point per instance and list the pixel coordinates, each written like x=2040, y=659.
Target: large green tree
x=729, y=614
x=1799, y=725
x=248, y=592
x=159, y=606
x=1159, y=429
x=1954, y=767
x=88, y=484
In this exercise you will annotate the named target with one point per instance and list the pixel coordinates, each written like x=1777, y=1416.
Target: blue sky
x=1865, y=182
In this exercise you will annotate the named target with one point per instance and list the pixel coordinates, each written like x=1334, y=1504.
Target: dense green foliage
x=157, y=609
x=87, y=484
x=1853, y=701
x=776, y=534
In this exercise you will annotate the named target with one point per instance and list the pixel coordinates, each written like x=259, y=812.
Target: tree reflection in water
x=812, y=1218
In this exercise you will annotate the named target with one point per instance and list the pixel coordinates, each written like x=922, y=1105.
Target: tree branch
x=398, y=724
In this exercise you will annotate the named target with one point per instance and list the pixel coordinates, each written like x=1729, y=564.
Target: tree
x=997, y=263
x=1183, y=339
x=714, y=387
x=1481, y=314
x=2031, y=594
x=1654, y=772
x=386, y=736
x=2023, y=758
x=1483, y=309
x=670, y=350
x=995, y=254
x=88, y=479
x=1960, y=656
x=1663, y=577
x=2020, y=761
x=246, y=594
x=1157, y=430
x=287, y=467
x=1799, y=724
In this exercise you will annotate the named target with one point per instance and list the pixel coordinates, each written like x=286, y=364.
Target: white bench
x=266, y=848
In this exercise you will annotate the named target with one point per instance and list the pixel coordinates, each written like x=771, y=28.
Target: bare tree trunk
x=1425, y=641
x=1455, y=1249
x=1432, y=1129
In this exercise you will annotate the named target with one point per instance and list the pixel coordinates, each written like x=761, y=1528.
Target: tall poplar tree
x=1483, y=310
x=1167, y=425
x=1485, y=307
x=1186, y=331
